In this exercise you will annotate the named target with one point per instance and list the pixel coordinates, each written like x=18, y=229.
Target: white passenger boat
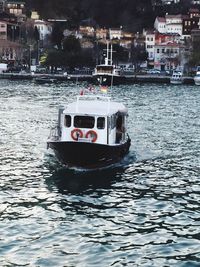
x=110, y=74
x=91, y=133
x=177, y=77
x=197, y=76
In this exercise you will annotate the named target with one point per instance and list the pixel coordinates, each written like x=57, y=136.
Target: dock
x=138, y=78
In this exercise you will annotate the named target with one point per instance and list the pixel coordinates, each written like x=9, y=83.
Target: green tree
x=36, y=34
x=57, y=36
x=71, y=44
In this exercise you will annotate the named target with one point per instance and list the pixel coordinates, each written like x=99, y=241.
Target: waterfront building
x=115, y=33
x=87, y=31
x=165, y=50
x=150, y=38
x=35, y=15
x=10, y=51
x=168, y=55
x=191, y=21
x=45, y=30
x=16, y=7
x=2, y=6
x=3, y=30
x=160, y=24
x=101, y=33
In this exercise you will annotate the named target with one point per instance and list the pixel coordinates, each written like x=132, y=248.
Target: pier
x=138, y=78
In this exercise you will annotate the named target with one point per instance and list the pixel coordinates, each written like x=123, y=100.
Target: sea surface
x=143, y=212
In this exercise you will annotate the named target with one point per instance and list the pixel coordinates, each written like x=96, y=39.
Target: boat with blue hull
x=91, y=133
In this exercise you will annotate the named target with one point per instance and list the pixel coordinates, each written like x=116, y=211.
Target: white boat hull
x=197, y=81
x=176, y=81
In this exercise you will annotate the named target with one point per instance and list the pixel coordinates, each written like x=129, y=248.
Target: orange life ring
x=76, y=133
x=92, y=134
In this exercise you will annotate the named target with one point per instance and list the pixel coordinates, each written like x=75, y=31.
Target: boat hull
x=89, y=155
x=196, y=81
x=109, y=80
x=176, y=81
x=45, y=80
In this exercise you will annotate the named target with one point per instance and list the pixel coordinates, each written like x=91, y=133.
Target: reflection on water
x=79, y=181
x=142, y=212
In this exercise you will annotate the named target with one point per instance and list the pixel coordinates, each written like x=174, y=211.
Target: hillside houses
x=171, y=37
x=165, y=44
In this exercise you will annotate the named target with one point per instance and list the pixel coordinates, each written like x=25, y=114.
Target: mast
x=111, y=51
x=107, y=55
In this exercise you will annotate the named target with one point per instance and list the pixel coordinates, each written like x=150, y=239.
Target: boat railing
x=55, y=133
x=80, y=98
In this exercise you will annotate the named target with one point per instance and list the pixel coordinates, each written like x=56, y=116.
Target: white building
x=168, y=55
x=115, y=33
x=149, y=44
x=160, y=24
x=173, y=18
x=169, y=24
x=3, y=30
x=44, y=28
x=174, y=28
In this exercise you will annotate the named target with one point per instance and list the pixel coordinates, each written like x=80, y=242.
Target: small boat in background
x=45, y=79
x=91, y=133
x=177, y=77
x=197, y=76
x=110, y=74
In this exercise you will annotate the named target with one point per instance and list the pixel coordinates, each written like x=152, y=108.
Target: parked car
x=153, y=71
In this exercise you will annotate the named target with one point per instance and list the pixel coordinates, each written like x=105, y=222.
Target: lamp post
x=30, y=47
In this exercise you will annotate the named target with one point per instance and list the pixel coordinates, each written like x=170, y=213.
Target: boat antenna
x=111, y=51
x=107, y=54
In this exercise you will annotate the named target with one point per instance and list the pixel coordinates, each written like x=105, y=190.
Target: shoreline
x=86, y=77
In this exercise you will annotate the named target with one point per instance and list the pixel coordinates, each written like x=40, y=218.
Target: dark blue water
x=144, y=212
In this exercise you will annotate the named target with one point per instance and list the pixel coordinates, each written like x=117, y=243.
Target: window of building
x=84, y=122
x=158, y=51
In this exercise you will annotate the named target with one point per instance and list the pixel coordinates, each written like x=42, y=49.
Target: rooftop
x=95, y=105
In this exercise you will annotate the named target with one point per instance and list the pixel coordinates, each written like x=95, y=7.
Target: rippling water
x=144, y=212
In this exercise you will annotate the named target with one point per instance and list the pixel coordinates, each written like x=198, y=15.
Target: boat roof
x=95, y=105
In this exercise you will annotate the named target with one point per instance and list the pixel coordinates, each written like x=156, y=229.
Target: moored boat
x=110, y=74
x=45, y=79
x=197, y=76
x=197, y=79
x=91, y=133
x=177, y=77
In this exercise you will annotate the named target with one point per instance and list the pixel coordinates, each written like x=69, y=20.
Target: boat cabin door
x=120, y=128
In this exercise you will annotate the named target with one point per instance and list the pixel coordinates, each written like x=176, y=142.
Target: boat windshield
x=84, y=122
x=105, y=69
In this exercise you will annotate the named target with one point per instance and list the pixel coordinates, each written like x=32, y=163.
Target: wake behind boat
x=91, y=133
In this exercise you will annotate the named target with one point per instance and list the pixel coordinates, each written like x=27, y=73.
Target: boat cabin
x=107, y=69
x=93, y=119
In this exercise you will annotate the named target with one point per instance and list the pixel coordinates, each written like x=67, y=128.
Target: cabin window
x=68, y=121
x=113, y=121
x=84, y=122
x=101, y=123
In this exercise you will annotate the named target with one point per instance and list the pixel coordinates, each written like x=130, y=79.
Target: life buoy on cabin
x=76, y=134
x=91, y=134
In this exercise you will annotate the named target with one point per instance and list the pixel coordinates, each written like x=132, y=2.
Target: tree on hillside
x=57, y=36
x=71, y=44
